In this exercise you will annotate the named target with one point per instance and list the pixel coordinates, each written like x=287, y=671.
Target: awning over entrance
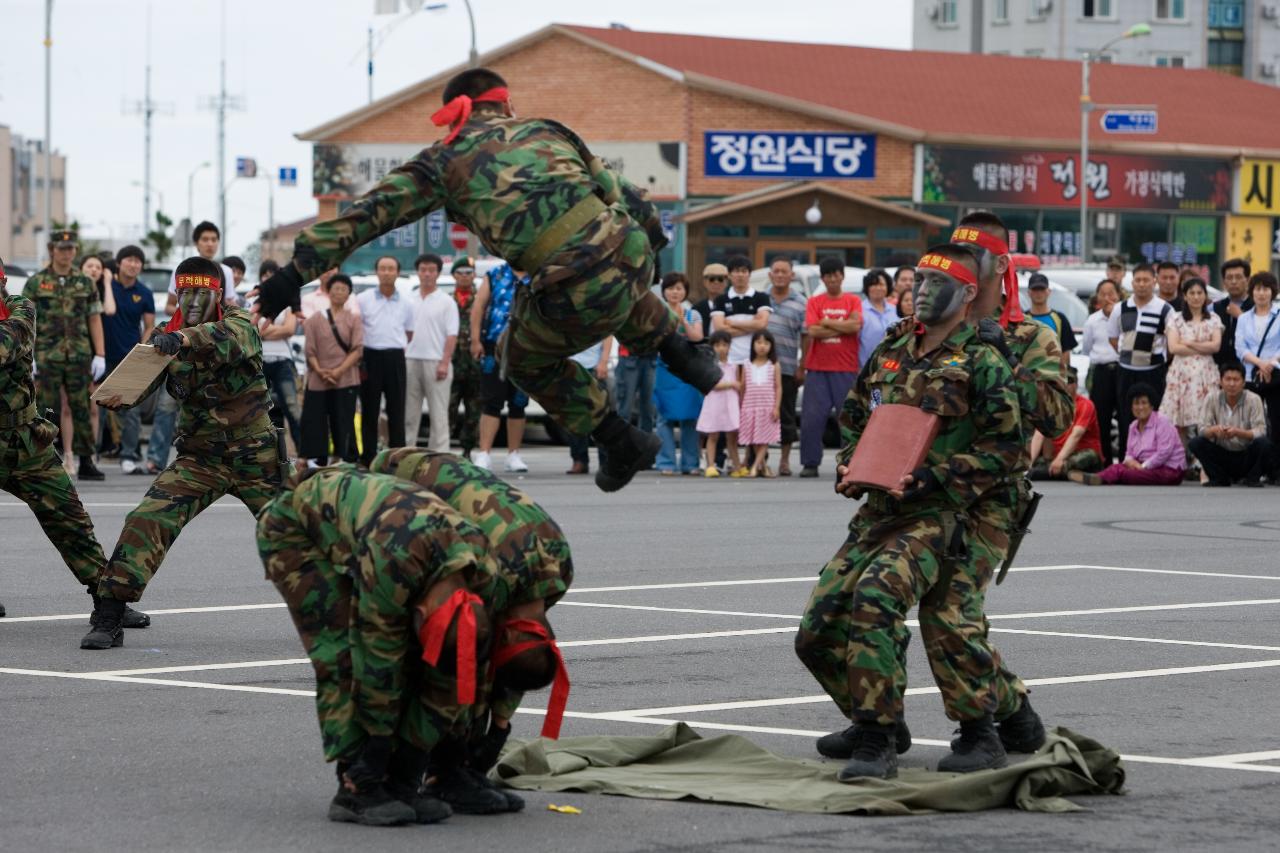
x=771, y=222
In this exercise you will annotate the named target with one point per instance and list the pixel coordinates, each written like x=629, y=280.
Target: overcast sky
x=297, y=64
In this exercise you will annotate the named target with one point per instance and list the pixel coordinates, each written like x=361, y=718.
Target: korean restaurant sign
x=778, y=154
x=1258, y=190
x=1053, y=179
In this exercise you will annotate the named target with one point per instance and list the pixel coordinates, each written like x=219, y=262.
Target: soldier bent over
x=394, y=597
x=533, y=557
x=30, y=469
x=534, y=195
x=903, y=544
x=226, y=442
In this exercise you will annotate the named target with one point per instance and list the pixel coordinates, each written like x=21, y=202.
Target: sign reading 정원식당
x=776, y=154
x=1052, y=179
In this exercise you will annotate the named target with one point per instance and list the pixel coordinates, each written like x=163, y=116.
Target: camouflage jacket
x=506, y=180
x=17, y=389
x=970, y=386
x=64, y=304
x=218, y=379
x=530, y=548
x=1046, y=404
x=462, y=359
x=393, y=541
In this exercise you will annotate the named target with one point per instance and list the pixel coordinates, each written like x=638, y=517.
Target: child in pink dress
x=759, y=425
x=720, y=407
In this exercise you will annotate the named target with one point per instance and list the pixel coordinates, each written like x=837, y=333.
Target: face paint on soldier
x=198, y=305
x=938, y=296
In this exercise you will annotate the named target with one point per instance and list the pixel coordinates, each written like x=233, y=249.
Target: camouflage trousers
x=853, y=636
x=31, y=471
x=984, y=670
x=560, y=320
x=465, y=393
x=74, y=378
x=200, y=474
x=325, y=606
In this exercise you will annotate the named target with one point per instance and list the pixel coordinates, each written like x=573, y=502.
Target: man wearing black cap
x=1038, y=291
x=69, y=350
x=466, y=368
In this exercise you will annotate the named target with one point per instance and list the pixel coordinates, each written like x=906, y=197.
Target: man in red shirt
x=833, y=319
x=1077, y=449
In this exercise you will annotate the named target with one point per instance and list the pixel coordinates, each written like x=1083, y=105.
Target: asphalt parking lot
x=1143, y=617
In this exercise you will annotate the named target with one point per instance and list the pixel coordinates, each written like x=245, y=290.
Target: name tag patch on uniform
x=876, y=398
x=954, y=360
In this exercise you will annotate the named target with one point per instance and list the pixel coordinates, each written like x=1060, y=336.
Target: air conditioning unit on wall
x=1268, y=69
x=933, y=10
x=1269, y=11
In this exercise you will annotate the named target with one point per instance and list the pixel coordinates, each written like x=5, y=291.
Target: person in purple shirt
x=1154, y=455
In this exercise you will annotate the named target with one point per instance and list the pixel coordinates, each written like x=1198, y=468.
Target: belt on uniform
x=262, y=426
x=570, y=223
x=18, y=418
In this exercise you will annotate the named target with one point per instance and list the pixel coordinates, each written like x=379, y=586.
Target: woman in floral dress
x=1194, y=335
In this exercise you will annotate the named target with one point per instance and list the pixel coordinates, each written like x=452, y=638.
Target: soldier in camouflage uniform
x=226, y=442
x=533, y=556
x=903, y=544
x=382, y=579
x=534, y=195
x=465, y=390
x=69, y=353
x=29, y=466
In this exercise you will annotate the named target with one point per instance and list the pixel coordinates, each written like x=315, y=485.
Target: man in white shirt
x=388, y=329
x=429, y=357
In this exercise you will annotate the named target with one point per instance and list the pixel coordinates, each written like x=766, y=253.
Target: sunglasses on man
x=715, y=278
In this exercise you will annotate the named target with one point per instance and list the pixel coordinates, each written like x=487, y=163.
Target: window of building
x=1227, y=55
x=1171, y=10
x=1001, y=12
x=1096, y=9
x=1226, y=14
x=1033, y=51
x=1166, y=60
x=1139, y=228
x=947, y=12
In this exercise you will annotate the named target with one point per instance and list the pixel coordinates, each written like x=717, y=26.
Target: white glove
x=98, y=367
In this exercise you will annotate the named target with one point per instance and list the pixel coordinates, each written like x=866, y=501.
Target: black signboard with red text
x=1052, y=179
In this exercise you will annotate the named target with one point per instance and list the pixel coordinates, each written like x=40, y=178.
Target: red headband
x=456, y=112
x=431, y=635
x=559, y=687
x=192, y=281
x=1012, y=310
x=955, y=269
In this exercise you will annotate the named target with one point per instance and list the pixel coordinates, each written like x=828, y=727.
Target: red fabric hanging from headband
x=456, y=112
x=4, y=310
x=432, y=636
x=559, y=687
x=1012, y=310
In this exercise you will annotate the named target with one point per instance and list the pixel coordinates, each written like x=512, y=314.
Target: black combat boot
x=131, y=619
x=471, y=792
x=1022, y=731
x=691, y=363
x=405, y=775
x=840, y=744
x=374, y=806
x=874, y=755
x=977, y=748
x=627, y=451
x=89, y=471
x=107, y=629
x=1, y=610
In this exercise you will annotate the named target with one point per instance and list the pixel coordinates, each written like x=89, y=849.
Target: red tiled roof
x=929, y=91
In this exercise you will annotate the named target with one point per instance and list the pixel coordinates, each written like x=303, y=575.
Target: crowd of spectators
x=1179, y=387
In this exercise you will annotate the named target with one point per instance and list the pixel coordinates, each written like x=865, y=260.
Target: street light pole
x=48, y=121
x=190, y=186
x=1087, y=107
x=473, y=58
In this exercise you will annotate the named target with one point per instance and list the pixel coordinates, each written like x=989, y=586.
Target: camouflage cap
x=63, y=238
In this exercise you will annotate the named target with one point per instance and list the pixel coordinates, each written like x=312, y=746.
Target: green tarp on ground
x=679, y=764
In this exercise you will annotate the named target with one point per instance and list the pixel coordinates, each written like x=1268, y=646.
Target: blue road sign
x=1129, y=121
x=288, y=176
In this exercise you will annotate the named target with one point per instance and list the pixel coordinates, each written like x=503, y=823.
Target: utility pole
x=147, y=108
x=48, y=119
x=220, y=103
